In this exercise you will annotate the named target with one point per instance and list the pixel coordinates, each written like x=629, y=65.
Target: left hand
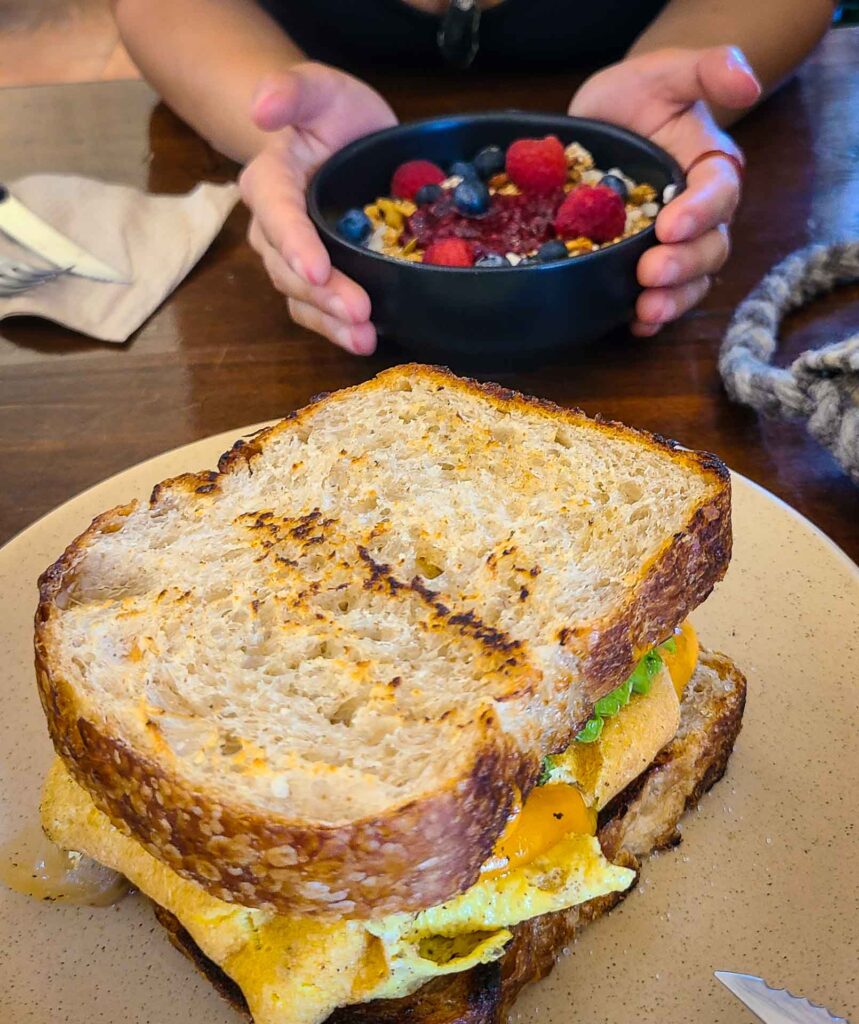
x=664, y=96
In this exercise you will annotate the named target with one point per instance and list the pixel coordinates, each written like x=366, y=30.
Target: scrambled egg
x=299, y=969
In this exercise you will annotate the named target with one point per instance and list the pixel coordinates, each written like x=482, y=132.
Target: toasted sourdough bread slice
x=642, y=819
x=313, y=680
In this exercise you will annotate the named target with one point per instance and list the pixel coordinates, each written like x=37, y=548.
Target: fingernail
x=338, y=308
x=665, y=311
x=670, y=272
x=684, y=227
x=737, y=59
x=261, y=97
x=344, y=338
x=363, y=346
x=643, y=330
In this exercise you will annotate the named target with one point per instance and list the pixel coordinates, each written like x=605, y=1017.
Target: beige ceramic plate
x=764, y=882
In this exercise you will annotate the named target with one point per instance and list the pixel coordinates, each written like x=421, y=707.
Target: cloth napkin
x=152, y=240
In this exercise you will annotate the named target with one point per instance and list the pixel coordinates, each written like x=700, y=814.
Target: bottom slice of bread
x=641, y=819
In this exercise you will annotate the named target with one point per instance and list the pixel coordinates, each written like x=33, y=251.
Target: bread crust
x=640, y=820
x=421, y=852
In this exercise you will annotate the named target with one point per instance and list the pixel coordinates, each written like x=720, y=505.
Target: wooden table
x=222, y=352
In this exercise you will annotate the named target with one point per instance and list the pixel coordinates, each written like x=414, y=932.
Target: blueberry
x=493, y=259
x=463, y=169
x=471, y=197
x=551, y=251
x=489, y=161
x=427, y=194
x=354, y=226
x=615, y=184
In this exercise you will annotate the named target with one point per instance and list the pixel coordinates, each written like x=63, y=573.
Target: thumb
x=681, y=77
x=647, y=89
x=726, y=78
x=291, y=98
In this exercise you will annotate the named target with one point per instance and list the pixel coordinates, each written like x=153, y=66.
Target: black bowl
x=488, y=318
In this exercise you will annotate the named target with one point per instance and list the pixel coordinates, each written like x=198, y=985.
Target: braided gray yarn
x=821, y=386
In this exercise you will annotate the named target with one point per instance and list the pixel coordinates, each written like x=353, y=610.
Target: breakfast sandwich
x=384, y=710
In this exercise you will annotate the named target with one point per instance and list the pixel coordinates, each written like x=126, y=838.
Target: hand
x=664, y=95
x=311, y=111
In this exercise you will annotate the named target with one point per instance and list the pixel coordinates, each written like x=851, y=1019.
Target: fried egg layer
x=299, y=969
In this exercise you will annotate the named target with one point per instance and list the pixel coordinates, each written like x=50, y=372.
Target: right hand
x=311, y=111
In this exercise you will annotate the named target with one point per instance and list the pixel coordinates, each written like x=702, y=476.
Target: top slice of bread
x=314, y=680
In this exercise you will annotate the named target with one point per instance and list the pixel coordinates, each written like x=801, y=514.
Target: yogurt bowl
x=487, y=317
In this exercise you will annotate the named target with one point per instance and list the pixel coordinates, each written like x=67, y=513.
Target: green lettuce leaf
x=639, y=681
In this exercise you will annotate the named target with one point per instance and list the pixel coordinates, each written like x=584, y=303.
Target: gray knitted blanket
x=820, y=386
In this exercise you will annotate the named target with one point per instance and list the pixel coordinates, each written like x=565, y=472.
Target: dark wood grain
x=222, y=352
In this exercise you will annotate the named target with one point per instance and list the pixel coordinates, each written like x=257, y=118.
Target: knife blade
x=29, y=230
x=775, y=1006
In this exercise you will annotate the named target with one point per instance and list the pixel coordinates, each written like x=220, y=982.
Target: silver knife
x=34, y=234
x=775, y=1006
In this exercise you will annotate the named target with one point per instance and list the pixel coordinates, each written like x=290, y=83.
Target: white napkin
x=152, y=240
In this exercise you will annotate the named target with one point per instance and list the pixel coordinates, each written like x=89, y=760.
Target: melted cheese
x=631, y=739
x=682, y=660
x=628, y=743
x=551, y=812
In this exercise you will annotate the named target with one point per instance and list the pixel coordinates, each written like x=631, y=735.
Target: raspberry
x=537, y=165
x=450, y=252
x=414, y=174
x=592, y=211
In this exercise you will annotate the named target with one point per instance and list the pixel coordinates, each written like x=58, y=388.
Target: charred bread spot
x=208, y=482
x=304, y=531
x=467, y=623
x=419, y=587
x=381, y=577
x=239, y=452
x=305, y=524
x=244, y=451
x=203, y=482
x=260, y=520
x=492, y=639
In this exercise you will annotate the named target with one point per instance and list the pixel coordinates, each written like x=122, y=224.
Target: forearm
x=206, y=59
x=775, y=36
